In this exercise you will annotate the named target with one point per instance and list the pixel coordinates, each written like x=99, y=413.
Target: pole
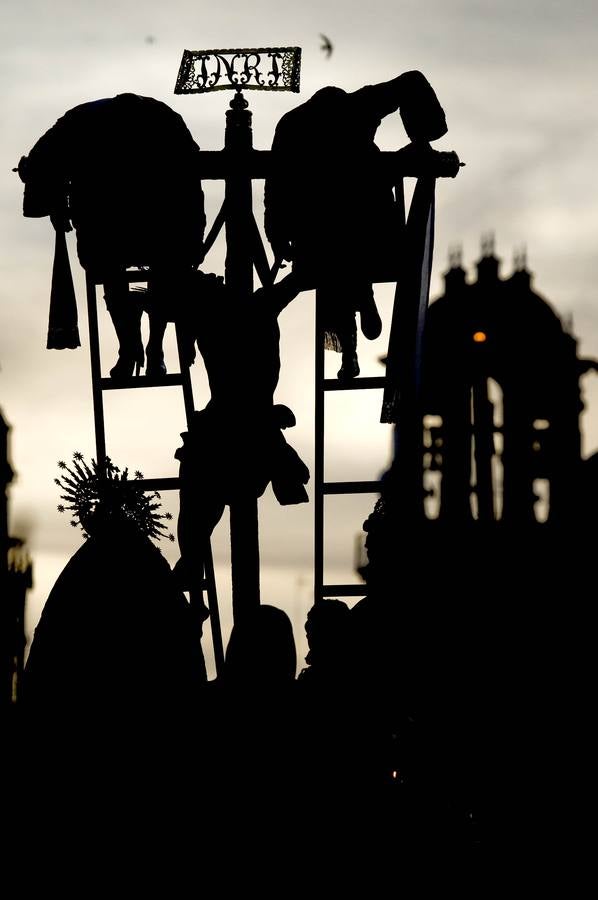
x=244, y=534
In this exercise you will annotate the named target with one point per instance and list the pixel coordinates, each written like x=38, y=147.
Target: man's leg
x=200, y=510
x=169, y=295
x=340, y=329
x=125, y=311
x=156, y=366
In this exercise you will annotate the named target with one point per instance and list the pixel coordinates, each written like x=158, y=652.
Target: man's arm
x=412, y=94
x=278, y=295
x=420, y=160
x=278, y=192
x=46, y=180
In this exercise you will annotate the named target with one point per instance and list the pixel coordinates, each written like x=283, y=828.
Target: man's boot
x=350, y=365
x=370, y=321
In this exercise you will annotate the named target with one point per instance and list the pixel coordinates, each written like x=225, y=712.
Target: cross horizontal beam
x=394, y=164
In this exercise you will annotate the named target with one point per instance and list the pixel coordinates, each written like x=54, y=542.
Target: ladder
x=181, y=379
x=322, y=488
x=401, y=382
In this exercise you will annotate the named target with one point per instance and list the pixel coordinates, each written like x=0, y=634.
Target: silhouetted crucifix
x=265, y=69
x=239, y=163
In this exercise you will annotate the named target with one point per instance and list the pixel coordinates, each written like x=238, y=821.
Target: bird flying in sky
x=326, y=45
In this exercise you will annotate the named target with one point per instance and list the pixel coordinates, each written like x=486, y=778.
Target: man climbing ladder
x=125, y=173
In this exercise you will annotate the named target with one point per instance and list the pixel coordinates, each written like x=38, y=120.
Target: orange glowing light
x=479, y=337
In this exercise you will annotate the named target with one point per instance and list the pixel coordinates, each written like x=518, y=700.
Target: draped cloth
x=63, y=331
x=403, y=362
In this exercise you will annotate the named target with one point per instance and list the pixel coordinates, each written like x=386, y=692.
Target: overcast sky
x=518, y=82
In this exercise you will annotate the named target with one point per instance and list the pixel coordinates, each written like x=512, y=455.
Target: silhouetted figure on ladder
x=331, y=210
x=124, y=172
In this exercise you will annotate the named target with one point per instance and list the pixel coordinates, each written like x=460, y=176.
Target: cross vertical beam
x=244, y=532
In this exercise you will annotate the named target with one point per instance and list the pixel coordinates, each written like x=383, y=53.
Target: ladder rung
x=354, y=384
x=131, y=275
x=158, y=484
x=137, y=275
x=344, y=590
x=351, y=487
x=140, y=381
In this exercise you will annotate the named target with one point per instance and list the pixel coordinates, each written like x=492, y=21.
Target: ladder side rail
x=212, y=595
x=318, y=482
x=209, y=582
x=96, y=373
x=100, y=384
x=185, y=377
x=322, y=488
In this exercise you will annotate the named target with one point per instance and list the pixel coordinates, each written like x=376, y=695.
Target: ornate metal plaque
x=262, y=69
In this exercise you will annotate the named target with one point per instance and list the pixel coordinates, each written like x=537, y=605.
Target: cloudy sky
x=518, y=81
